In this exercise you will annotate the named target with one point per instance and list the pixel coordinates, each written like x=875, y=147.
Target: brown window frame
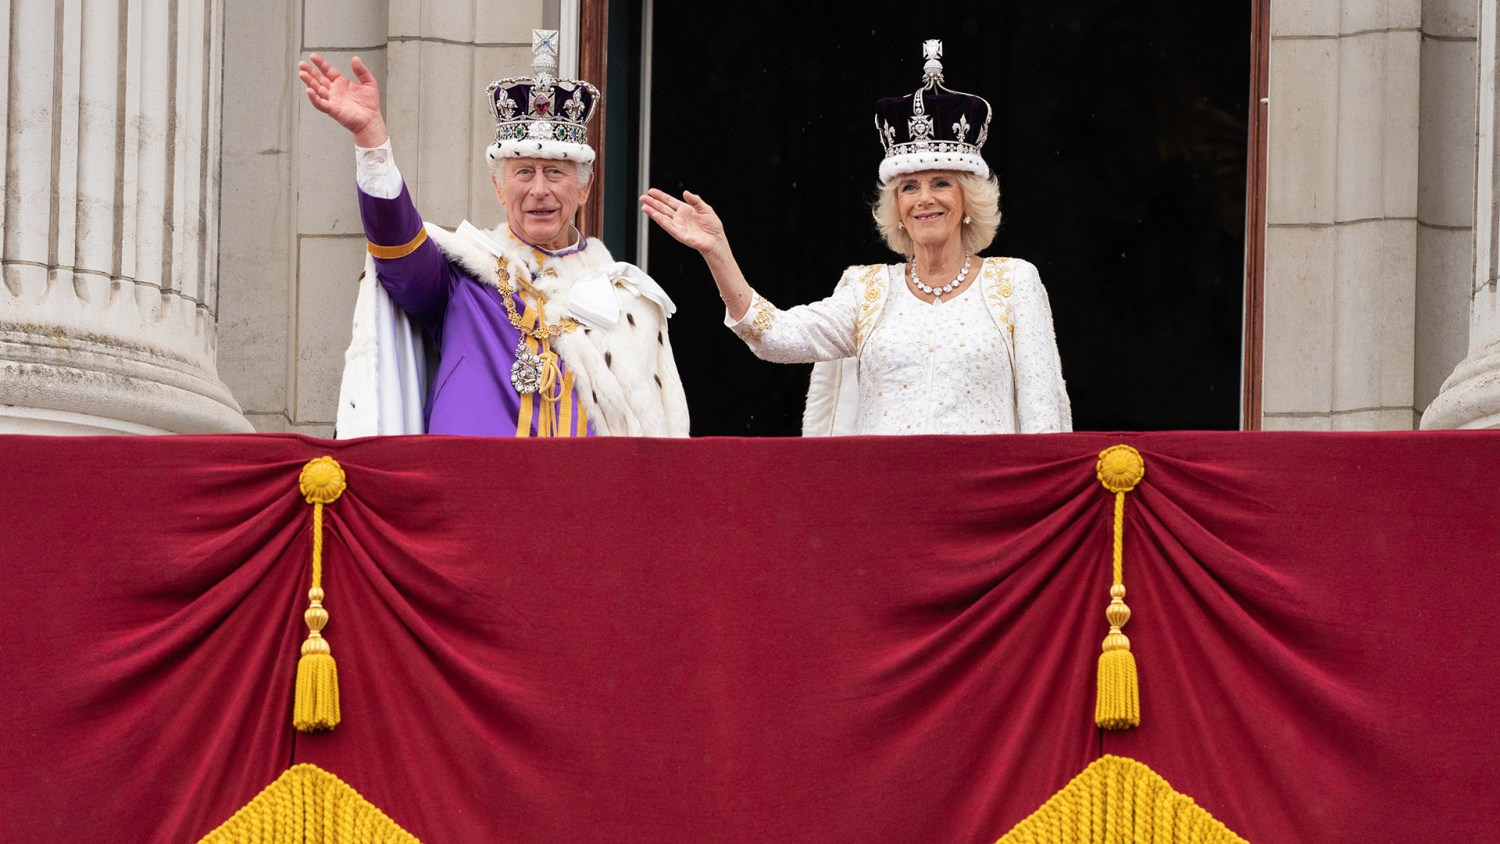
x=593, y=64
x=1255, y=216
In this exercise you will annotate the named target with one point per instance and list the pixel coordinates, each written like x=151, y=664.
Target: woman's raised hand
x=690, y=220
x=355, y=105
x=695, y=224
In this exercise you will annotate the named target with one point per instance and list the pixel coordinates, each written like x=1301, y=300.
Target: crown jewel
x=541, y=116
x=934, y=128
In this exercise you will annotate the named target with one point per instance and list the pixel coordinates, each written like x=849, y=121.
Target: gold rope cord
x=1117, y=800
x=308, y=805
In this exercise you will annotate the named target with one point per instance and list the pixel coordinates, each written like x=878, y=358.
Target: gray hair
x=981, y=205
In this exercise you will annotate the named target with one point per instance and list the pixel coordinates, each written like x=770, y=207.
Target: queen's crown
x=934, y=128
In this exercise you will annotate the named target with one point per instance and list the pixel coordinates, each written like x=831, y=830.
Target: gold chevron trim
x=1117, y=800
x=308, y=805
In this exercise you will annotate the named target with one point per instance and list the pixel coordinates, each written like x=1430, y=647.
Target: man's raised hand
x=354, y=104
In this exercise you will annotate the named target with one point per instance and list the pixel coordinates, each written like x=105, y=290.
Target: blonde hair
x=981, y=205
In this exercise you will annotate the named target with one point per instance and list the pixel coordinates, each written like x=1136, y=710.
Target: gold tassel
x=316, y=704
x=1118, y=704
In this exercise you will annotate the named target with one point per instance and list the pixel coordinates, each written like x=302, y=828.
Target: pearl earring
x=967, y=220
x=900, y=225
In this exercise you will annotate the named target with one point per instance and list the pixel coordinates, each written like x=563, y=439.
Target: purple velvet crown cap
x=934, y=128
x=541, y=116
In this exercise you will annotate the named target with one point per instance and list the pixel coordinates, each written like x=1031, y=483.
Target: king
x=538, y=331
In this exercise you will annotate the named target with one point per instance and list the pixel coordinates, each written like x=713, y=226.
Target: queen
x=941, y=342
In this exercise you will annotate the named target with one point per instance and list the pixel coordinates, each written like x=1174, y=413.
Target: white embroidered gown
x=946, y=368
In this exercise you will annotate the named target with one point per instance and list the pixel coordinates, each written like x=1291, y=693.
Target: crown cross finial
x=544, y=51
x=932, y=51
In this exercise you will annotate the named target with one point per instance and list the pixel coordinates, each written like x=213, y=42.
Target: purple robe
x=471, y=393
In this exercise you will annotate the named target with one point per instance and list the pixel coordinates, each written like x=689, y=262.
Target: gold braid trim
x=550, y=391
x=390, y=253
x=308, y=805
x=1117, y=800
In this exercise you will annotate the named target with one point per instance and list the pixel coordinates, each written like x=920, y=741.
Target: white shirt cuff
x=375, y=171
x=732, y=323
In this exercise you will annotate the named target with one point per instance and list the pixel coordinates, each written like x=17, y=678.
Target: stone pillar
x=292, y=242
x=110, y=257
x=1470, y=397
x=1445, y=208
x=1342, y=197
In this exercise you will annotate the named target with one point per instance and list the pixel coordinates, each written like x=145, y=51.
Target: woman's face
x=932, y=207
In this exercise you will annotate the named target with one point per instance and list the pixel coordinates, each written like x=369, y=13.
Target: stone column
x=1342, y=198
x=1470, y=397
x=1445, y=211
x=110, y=142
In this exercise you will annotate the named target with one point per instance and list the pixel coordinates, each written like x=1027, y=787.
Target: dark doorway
x=1119, y=137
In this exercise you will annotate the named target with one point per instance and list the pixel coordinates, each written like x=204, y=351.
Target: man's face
x=541, y=197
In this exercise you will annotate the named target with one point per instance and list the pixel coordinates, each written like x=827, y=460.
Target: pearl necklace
x=945, y=289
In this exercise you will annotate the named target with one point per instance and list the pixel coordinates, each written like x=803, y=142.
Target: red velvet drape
x=750, y=640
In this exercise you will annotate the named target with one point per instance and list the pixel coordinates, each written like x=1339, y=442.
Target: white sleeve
x=1042, y=404
x=823, y=330
x=375, y=171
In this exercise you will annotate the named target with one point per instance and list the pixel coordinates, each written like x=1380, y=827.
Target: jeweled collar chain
x=535, y=370
x=951, y=286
